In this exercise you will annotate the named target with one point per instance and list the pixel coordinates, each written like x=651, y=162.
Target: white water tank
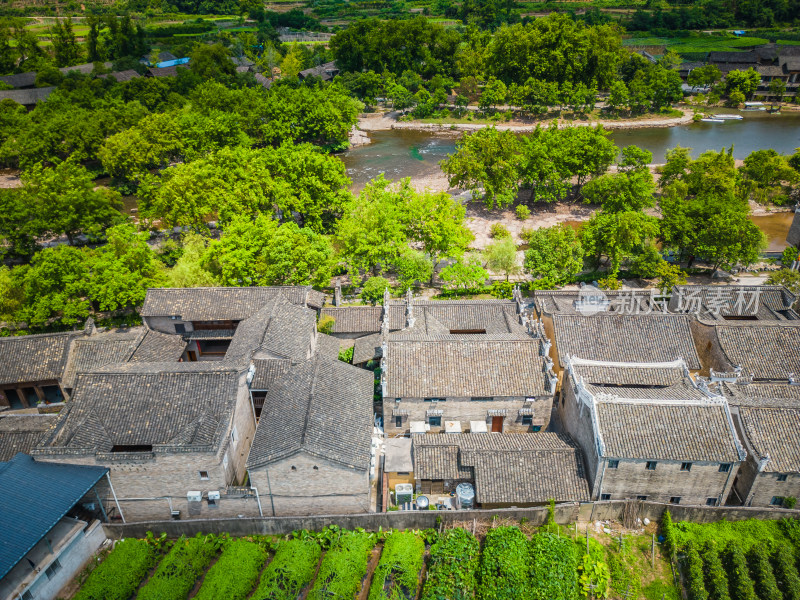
x=403, y=492
x=465, y=495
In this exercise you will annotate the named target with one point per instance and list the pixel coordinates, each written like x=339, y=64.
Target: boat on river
x=754, y=106
x=729, y=117
x=712, y=120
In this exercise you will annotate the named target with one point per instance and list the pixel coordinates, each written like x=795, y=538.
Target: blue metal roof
x=172, y=63
x=36, y=496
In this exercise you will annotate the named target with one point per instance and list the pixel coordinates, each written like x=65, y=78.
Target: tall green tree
x=501, y=257
x=65, y=46
x=554, y=255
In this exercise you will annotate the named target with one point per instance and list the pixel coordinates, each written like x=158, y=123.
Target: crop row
x=335, y=563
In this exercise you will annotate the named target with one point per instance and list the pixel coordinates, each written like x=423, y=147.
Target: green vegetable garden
x=746, y=560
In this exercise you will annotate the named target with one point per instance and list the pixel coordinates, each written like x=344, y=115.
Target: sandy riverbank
x=389, y=120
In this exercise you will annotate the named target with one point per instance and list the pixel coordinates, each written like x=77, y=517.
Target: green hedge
x=118, y=576
x=554, y=568
x=290, y=570
x=452, y=567
x=786, y=572
x=504, y=569
x=694, y=574
x=179, y=570
x=344, y=566
x=761, y=570
x=235, y=573
x=741, y=586
x=716, y=579
x=397, y=575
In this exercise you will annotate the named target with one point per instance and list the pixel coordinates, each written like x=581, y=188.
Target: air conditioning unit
x=194, y=496
x=529, y=399
x=213, y=495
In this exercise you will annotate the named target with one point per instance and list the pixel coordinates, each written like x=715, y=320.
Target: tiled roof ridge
x=311, y=390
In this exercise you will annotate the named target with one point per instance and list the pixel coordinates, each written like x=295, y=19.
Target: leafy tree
x=264, y=252
x=618, y=95
x=123, y=269
x=767, y=168
x=374, y=290
x=212, y=62
x=669, y=275
x=777, y=88
x=486, y=160
x=554, y=254
x=744, y=82
x=501, y=257
x=371, y=233
x=466, y=273
x=190, y=268
x=493, y=94
x=292, y=63
x=785, y=277
x=730, y=238
x=704, y=76
x=62, y=200
x=65, y=46
x=10, y=295
x=631, y=188
x=617, y=235
x=412, y=266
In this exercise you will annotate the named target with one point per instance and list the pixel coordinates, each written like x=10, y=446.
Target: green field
x=702, y=43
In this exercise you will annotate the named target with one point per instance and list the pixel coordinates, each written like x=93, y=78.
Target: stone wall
x=306, y=485
x=564, y=514
x=578, y=423
x=466, y=410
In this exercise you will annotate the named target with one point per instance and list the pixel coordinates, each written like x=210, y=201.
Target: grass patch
x=752, y=532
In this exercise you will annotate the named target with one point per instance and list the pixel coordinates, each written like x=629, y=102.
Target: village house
x=311, y=452
x=50, y=524
x=21, y=432
x=734, y=303
x=650, y=431
x=767, y=417
x=505, y=470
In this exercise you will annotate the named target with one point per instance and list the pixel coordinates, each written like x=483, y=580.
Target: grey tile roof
x=20, y=80
x=268, y=371
x=626, y=338
x=714, y=302
x=84, y=69
x=367, y=348
x=666, y=431
x=159, y=347
x=166, y=71
x=355, y=319
x=733, y=57
x=766, y=350
x=682, y=390
x=497, y=316
x=179, y=407
x=21, y=433
x=122, y=76
x=216, y=304
x=507, y=468
x=762, y=394
x=27, y=97
x=31, y=358
x=327, y=345
x=87, y=353
x=464, y=366
x=629, y=374
x=322, y=407
x=553, y=302
x=773, y=436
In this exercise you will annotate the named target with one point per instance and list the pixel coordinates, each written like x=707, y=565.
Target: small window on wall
x=536, y=428
x=776, y=501
x=27, y=595
x=613, y=464
x=316, y=468
x=675, y=500
x=724, y=467
x=711, y=502
x=234, y=435
x=225, y=461
x=54, y=568
x=783, y=477
x=294, y=468
x=651, y=465
x=435, y=421
x=180, y=328
x=527, y=420
x=203, y=475
x=398, y=421
x=687, y=466
x=641, y=498
x=605, y=496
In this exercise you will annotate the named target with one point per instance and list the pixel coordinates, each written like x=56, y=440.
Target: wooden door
x=497, y=424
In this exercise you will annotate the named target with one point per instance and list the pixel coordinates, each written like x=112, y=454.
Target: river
x=399, y=153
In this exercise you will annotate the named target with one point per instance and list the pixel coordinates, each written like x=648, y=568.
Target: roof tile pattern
x=22, y=433
x=626, y=338
x=772, y=432
x=765, y=350
x=355, y=319
x=322, y=407
x=32, y=358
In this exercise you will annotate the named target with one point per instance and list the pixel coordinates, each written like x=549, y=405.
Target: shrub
x=179, y=570
x=290, y=570
x=344, y=567
x=789, y=502
x=741, y=586
x=668, y=531
x=325, y=324
x=758, y=560
x=119, y=574
x=716, y=580
x=786, y=572
x=452, y=567
x=522, y=212
x=397, y=574
x=372, y=292
x=504, y=570
x=235, y=573
x=694, y=574
x=499, y=231
x=502, y=289
x=346, y=355
x=554, y=568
